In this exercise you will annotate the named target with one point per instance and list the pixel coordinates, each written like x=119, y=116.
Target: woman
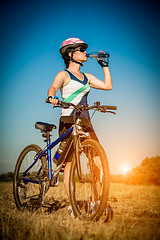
x=75, y=86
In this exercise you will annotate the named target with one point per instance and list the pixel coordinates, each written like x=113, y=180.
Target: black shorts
x=67, y=121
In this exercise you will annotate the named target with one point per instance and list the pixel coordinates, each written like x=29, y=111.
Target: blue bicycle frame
x=47, y=152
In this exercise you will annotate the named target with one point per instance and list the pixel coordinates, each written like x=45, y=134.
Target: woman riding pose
x=75, y=86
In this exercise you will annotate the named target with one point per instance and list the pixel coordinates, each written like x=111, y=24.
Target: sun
x=125, y=169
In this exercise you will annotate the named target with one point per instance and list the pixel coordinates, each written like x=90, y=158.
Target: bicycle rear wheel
x=89, y=186
x=26, y=183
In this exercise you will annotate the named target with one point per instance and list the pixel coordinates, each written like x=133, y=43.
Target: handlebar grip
x=111, y=107
x=47, y=101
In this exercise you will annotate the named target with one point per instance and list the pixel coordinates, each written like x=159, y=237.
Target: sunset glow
x=125, y=169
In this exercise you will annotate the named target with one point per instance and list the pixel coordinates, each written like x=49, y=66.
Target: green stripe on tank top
x=76, y=93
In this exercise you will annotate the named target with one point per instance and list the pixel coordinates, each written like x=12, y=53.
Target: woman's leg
x=66, y=177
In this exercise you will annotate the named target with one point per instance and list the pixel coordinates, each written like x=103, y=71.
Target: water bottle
x=101, y=55
x=59, y=152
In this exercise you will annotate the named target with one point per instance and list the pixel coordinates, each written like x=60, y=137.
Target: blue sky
x=31, y=35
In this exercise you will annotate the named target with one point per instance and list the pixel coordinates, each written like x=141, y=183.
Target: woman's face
x=80, y=55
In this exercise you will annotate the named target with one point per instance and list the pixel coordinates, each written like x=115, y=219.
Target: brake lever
x=104, y=111
x=110, y=112
x=101, y=110
x=55, y=106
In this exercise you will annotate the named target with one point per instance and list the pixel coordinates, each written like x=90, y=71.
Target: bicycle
x=89, y=174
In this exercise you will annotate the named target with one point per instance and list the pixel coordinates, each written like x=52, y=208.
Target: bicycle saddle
x=45, y=126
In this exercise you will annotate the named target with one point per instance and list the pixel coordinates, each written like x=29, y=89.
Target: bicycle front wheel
x=89, y=180
x=26, y=181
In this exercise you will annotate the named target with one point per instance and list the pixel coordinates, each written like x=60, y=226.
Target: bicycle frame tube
x=48, y=151
x=50, y=146
x=49, y=160
x=60, y=138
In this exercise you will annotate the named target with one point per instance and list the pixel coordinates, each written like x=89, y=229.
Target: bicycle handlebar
x=80, y=108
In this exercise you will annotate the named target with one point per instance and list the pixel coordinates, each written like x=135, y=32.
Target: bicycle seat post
x=47, y=137
x=46, y=134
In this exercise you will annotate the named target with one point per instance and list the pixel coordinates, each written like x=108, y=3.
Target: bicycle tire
x=28, y=194
x=89, y=194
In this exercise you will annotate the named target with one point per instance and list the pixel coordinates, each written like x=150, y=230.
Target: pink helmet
x=72, y=42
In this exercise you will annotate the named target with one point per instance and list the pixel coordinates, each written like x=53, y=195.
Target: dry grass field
x=136, y=216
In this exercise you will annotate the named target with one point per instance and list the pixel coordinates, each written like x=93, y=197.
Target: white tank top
x=76, y=92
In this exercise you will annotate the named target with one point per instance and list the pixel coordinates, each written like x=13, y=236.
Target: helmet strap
x=73, y=59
